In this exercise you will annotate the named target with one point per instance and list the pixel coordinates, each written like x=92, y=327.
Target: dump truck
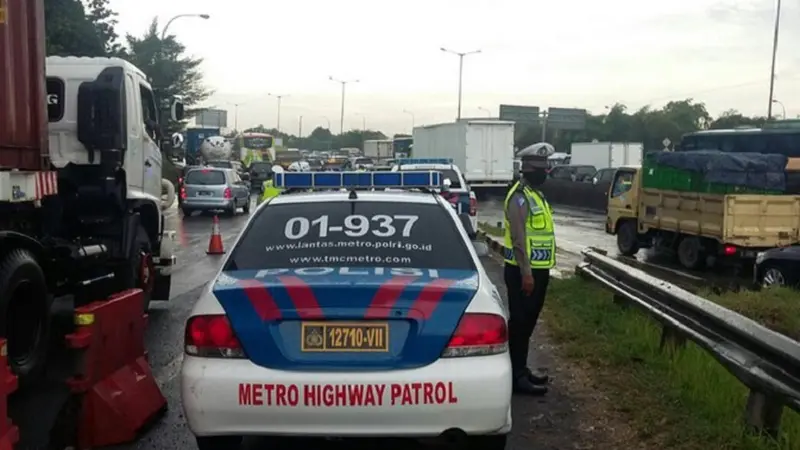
x=702, y=228
x=80, y=202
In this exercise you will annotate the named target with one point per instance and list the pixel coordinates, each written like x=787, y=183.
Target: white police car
x=467, y=201
x=350, y=314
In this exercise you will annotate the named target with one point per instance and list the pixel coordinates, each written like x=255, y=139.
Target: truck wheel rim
x=773, y=277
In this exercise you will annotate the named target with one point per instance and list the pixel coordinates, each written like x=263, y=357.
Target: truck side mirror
x=176, y=111
x=102, y=112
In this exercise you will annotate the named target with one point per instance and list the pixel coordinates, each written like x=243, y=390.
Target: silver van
x=214, y=189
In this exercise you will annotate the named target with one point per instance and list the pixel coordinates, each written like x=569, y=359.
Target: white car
x=349, y=314
x=468, y=202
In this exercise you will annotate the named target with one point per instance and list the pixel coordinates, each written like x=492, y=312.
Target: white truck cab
x=143, y=159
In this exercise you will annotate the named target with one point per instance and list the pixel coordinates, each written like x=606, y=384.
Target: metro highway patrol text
x=347, y=395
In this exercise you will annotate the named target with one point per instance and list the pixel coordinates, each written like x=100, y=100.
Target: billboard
x=566, y=118
x=212, y=118
x=516, y=113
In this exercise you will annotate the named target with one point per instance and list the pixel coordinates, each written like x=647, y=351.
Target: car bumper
x=207, y=203
x=471, y=394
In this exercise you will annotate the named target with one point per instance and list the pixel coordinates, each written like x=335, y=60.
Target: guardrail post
x=763, y=413
x=671, y=340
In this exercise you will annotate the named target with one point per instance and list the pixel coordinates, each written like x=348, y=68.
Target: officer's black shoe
x=524, y=386
x=540, y=379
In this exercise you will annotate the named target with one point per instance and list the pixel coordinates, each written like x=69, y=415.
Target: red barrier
x=120, y=393
x=9, y=434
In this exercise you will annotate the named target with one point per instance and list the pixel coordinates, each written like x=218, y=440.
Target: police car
x=467, y=201
x=362, y=313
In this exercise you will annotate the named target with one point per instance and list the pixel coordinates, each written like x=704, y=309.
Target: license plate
x=205, y=194
x=345, y=337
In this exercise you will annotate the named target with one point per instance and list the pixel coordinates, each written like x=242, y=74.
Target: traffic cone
x=215, y=243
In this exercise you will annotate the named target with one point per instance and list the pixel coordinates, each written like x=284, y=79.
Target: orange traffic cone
x=215, y=243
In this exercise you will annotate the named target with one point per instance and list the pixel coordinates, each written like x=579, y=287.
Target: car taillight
x=211, y=337
x=473, y=204
x=729, y=250
x=183, y=193
x=227, y=193
x=478, y=335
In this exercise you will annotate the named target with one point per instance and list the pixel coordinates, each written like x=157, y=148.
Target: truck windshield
x=352, y=234
x=257, y=143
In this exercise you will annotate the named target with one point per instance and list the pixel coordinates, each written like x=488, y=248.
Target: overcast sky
x=566, y=53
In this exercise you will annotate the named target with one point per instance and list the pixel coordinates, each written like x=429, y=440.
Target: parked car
x=214, y=189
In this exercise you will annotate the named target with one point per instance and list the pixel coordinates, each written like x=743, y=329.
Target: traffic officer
x=270, y=190
x=529, y=254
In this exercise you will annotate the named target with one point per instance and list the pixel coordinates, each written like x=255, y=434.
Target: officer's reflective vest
x=269, y=191
x=539, y=230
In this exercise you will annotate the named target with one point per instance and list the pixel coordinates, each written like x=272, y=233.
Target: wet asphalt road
x=165, y=330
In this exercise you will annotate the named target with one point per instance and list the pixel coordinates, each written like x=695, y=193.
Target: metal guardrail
x=768, y=363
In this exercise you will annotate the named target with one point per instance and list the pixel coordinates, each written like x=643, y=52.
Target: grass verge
x=777, y=309
x=490, y=229
x=683, y=401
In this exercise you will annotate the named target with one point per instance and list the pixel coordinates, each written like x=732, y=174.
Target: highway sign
x=524, y=114
x=212, y=118
x=566, y=118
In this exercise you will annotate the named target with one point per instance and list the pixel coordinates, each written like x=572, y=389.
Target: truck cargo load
x=482, y=149
x=379, y=148
x=716, y=172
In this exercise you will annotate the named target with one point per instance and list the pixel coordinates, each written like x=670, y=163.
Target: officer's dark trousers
x=524, y=312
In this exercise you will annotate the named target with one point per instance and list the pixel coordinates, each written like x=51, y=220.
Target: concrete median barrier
x=576, y=194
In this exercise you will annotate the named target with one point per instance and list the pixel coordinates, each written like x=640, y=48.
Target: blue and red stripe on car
x=423, y=311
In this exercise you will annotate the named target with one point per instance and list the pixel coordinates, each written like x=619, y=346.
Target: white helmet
x=304, y=166
x=294, y=167
x=277, y=169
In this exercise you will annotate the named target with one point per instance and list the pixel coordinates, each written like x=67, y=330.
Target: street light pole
x=341, y=115
x=279, y=97
x=783, y=107
x=300, y=128
x=461, y=56
x=169, y=22
x=412, y=118
x=774, y=57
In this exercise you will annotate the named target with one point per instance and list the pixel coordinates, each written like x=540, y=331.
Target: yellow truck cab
x=698, y=225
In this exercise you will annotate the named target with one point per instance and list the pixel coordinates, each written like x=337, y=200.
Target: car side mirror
x=102, y=113
x=481, y=248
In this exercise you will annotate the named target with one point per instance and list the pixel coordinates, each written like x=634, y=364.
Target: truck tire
x=691, y=253
x=24, y=314
x=627, y=238
x=139, y=272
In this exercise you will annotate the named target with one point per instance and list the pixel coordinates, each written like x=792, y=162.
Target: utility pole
x=300, y=128
x=774, y=57
x=461, y=56
x=344, y=85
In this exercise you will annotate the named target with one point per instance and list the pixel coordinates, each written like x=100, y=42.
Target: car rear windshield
x=351, y=234
x=205, y=177
x=221, y=164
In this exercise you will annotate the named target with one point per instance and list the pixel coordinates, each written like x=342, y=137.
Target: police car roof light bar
x=427, y=179
x=408, y=161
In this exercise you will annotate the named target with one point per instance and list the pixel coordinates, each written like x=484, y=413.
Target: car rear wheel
x=218, y=442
